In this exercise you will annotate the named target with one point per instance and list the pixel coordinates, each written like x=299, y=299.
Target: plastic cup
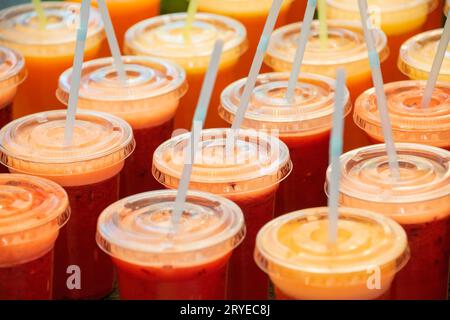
x=297, y=11
x=417, y=55
x=410, y=121
x=89, y=172
x=32, y=210
x=148, y=102
x=250, y=178
x=304, y=126
x=420, y=202
x=252, y=14
x=435, y=17
x=163, y=37
x=295, y=253
x=399, y=19
x=155, y=262
x=125, y=13
x=346, y=49
x=48, y=52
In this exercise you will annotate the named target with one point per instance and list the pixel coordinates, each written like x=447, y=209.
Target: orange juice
x=297, y=11
x=48, y=51
x=164, y=37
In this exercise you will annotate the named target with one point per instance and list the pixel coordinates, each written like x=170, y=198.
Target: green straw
x=40, y=12
x=191, y=11
x=323, y=28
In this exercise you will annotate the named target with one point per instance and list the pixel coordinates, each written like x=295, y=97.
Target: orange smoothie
x=163, y=37
x=296, y=11
x=48, y=51
x=399, y=19
x=346, y=49
x=295, y=253
x=252, y=14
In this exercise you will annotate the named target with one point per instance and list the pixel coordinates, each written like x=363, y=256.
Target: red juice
x=153, y=262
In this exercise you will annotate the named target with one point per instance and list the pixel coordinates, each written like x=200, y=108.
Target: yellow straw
x=192, y=10
x=40, y=12
x=323, y=28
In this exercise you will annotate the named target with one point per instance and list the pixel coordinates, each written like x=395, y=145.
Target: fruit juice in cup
x=419, y=201
x=164, y=37
x=303, y=126
x=252, y=14
x=249, y=177
x=125, y=13
x=399, y=19
x=48, y=51
x=156, y=262
x=295, y=252
x=296, y=11
x=148, y=102
x=32, y=210
x=410, y=121
x=435, y=16
x=88, y=169
x=417, y=55
x=346, y=49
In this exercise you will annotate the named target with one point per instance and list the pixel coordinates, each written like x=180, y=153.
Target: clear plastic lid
x=421, y=194
x=31, y=212
x=164, y=37
x=384, y=5
x=239, y=7
x=268, y=108
x=297, y=243
x=258, y=161
x=410, y=121
x=153, y=88
x=12, y=68
x=417, y=56
x=139, y=229
x=346, y=48
x=35, y=143
x=20, y=28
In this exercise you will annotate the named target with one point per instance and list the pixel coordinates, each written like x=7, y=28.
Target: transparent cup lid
x=164, y=37
x=417, y=55
x=239, y=7
x=346, y=48
x=20, y=28
x=410, y=121
x=268, y=109
x=384, y=5
x=256, y=162
x=296, y=245
x=36, y=142
x=149, y=80
x=139, y=229
x=12, y=68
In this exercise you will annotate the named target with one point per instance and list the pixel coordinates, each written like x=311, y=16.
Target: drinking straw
x=301, y=46
x=112, y=41
x=76, y=71
x=437, y=63
x=40, y=13
x=335, y=154
x=191, y=11
x=197, y=125
x=323, y=24
x=377, y=79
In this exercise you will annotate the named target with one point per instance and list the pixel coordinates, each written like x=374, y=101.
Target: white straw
x=301, y=46
x=335, y=154
x=112, y=41
x=197, y=125
x=76, y=73
x=437, y=63
x=377, y=78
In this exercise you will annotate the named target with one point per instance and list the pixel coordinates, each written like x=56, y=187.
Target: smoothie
x=304, y=126
x=410, y=121
x=48, y=51
x=164, y=37
x=419, y=201
x=32, y=210
x=295, y=253
x=148, y=101
x=249, y=176
x=346, y=49
x=89, y=172
x=154, y=261
x=296, y=11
